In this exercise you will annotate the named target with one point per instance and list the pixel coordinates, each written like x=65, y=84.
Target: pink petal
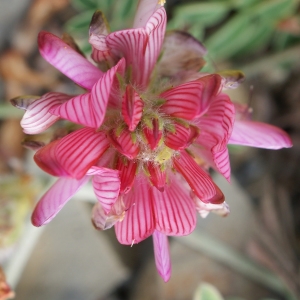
x=155, y=27
x=89, y=109
x=37, y=118
x=182, y=136
x=102, y=89
x=157, y=176
x=261, y=135
x=192, y=99
x=174, y=209
x=162, y=255
x=74, y=154
x=140, y=47
x=132, y=108
x=138, y=223
x=55, y=198
x=47, y=160
x=145, y=10
x=81, y=149
x=153, y=134
x=215, y=129
x=106, y=187
x=125, y=143
x=127, y=170
x=67, y=60
x=199, y=181
x=79, y=110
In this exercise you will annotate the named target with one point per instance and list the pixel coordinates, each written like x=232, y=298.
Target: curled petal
x=74, y=154
x=182, y=136
x=67, y=60
x=145, y=10
x=199, y=181
x=192, y=99
x=47, y=160
x=215, y=129
x=106, y=187
x=140, y=47
x=162, y=255
x=152, y=132
x=125, y=143
x=127, y=170
x=138, y=223
x=132, y=108
x=174, y=209
x=78, y=110
x=37, y=117
x=102, y=89
x=55, y=198
x=157, y=176
x=261, y=135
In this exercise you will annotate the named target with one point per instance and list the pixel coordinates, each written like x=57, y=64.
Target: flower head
x=151, y=128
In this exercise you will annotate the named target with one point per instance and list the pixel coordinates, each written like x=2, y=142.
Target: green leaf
x=207, y=291
x=80, y=23
x=260, y=38
x=84, y=4
x=274, y=9
x=239, y=4
x=230, y=38
x=205, y=13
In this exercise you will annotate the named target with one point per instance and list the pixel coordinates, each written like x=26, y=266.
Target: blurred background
x=251, y=254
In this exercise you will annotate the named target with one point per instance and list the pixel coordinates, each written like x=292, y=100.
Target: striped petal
x=125, y=143
x=261, y=135
x=138, y=223
x=174, y=209
x=106, y=187
x=182, y=136
x=140, y=47
x=152, y=131
x=72, y=155
x=215, y=129
x=81, y=149
x=102, y=89
x=132, y=108
x=145, y=10
x=162, y=255
x=37, y=117
x=79, y=110
x=68, y=61
x=157, y=176
x=47, y=160
x=192, y=99
x=199, y=181
x=55, y=198
x=127, y=170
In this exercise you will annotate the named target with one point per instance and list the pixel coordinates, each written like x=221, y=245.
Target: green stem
x=210, y=246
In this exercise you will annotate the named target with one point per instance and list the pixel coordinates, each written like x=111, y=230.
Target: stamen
x=162, y=2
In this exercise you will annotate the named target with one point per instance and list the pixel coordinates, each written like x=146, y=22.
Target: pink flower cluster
x=151, y=126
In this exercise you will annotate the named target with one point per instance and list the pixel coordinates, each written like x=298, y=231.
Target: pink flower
x=148, y=135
